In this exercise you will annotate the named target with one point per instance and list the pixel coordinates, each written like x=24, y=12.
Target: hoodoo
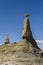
x=6, y=39
x=26, y=31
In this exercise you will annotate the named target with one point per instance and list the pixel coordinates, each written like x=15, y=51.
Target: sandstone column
x=6, y=39
x=26, y=31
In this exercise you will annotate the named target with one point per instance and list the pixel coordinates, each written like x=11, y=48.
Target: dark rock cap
x=26, y=15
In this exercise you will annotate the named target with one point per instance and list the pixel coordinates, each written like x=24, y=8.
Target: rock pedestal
x=26, y=31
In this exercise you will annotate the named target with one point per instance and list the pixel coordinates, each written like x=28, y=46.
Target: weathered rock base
x=21, y=53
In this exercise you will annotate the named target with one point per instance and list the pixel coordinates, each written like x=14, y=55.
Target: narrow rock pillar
x=26, y=31
x=6, y=39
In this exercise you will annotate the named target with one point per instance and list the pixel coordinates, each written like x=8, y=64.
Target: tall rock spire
x=26, y=32
x=6, y=39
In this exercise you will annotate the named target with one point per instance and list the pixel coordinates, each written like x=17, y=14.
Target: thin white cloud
x=39, y=41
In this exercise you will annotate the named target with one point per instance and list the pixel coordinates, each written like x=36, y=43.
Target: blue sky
x=12, y=18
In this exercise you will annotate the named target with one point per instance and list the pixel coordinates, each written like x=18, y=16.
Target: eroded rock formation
x=26, y=31
x=6, y=39
x=24, y=52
